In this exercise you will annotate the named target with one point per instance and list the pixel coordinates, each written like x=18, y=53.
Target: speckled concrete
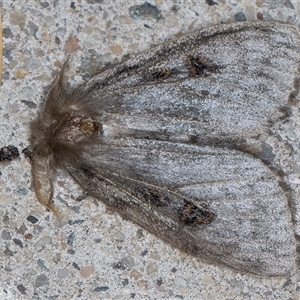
x=97, y=254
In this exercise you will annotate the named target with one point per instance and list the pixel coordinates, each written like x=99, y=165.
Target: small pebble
x=21, y=289
x=18, y=242
x=75, y=266
x=87, y=271
x=180, y=282
x=6, y=235
x=240, y=17
x=63, y=273
x=72, y=44
x=151, y=268
x=41, y=280
x=71, y=238
x=101, y=289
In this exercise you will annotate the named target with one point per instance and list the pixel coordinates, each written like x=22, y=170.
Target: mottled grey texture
x=142, y=137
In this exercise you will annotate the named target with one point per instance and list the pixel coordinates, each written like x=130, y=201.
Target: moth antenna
x=57, y=84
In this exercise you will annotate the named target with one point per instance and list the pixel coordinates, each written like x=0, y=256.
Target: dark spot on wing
x=198, y=65
x=158, y=74
x=154, y=197
x=192, y=214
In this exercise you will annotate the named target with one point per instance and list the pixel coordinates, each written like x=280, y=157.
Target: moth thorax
x=78, y=127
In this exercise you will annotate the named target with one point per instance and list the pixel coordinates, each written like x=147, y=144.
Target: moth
x=160, y=139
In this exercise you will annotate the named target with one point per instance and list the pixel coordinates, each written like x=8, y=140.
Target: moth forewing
x=247, y=71
x=220, y=205
x=139, y=138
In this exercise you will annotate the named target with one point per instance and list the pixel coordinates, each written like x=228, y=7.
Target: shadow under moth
x=159, y=139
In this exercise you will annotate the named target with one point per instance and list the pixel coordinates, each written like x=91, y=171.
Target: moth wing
x=222, y=206
x=224, y=80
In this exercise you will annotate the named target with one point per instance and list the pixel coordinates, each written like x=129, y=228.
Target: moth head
x=66, y=124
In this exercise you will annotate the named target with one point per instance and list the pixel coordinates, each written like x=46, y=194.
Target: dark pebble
x=71, y=239
x=8, y=252
x=211, y=2
x=9, y=152
x=94, y=1
x=41, y=280
x=76, y=222
x=119, y=265
x=41, y=265
x=44, y=4
x=101, y=289
x=159, y=282
x=57, y=40
x=75, y=266
x=145, y=10
x=259, y=16
x=71, y=251
x=7, y=54
x=140, y=233
x=18, y=242
x=21, y=289
x=32, y=219
x=7, y=33
x=240, y=17
x=30, y=104
x=266, y=153
x=125, y=282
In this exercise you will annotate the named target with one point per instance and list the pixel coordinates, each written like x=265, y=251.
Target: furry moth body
x=149, y=137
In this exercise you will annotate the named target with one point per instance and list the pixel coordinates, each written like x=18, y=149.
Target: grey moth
x=159, y=138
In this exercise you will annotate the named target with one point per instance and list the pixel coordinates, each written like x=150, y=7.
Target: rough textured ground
x=97, y=254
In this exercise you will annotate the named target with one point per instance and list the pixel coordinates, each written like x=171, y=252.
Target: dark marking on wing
x=198, y=65
x=154, y=197
x=192, y=214
x=158, y=74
